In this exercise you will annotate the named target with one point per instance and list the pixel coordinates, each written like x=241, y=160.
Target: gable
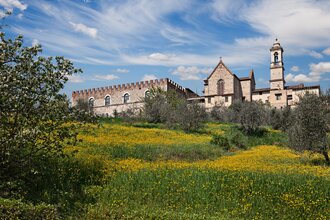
x=221, y=68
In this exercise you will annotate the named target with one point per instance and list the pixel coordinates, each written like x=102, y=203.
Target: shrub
x=233, y=138
x=16, y=209
x=220, y=141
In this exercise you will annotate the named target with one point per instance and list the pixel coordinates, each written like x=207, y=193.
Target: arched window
x=126, y=98
x=91, y=102
x=221, y=87
x=275, y=57
x=147, y=94
x=107, y=100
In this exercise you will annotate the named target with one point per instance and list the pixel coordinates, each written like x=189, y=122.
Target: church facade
x=222, y=87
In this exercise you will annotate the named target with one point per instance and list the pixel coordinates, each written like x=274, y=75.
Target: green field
x=154, y=173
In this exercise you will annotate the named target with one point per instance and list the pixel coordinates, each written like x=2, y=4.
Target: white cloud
x=190, y=73
x=35, y=42
x=121, y=70
x=322, y=67
x=11, y=4
x=92, y=32
x=326, y=51
x=159, y=56
x=315, y=74
x=293, y=22
x=148, y=77
x=314, y=54
x=76, y=79
x=295, y=68
x=301, y=78
x=104, y=77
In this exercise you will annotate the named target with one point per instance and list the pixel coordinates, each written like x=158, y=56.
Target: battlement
x=127, y=86
x=102, y=91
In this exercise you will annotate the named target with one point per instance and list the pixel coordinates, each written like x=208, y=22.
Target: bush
x=220, y=141
x=232, y=139
x=16, y=209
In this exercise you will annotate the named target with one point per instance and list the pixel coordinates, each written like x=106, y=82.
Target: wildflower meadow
x=155, y=173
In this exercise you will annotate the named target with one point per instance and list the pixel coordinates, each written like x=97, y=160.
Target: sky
x=124, y=41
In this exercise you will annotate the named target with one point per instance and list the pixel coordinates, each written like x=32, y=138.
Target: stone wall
x=136, y=92
x=246, y=89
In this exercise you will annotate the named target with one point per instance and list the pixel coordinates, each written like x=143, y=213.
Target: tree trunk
x=326, y=156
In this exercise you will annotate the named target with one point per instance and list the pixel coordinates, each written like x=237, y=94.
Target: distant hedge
x=16, y=209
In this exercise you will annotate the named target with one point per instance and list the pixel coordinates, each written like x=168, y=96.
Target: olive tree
x=309, y=126
x=173, y=110
x=34, y=117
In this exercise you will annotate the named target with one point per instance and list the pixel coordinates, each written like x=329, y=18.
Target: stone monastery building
x=221, y=87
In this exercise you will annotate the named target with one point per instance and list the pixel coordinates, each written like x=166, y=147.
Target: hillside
x=152, y=172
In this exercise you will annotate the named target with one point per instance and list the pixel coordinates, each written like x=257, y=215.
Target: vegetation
x=36, y=123
x=309, y=129
x=162, y=162
x=173, y=110
x=158, y=173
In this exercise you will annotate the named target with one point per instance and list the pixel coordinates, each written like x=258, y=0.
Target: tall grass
x=200, y=194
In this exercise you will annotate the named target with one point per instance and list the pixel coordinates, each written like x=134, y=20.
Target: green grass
x=206, y=194
x=154, y=153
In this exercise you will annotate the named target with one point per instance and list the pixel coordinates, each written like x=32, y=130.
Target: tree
x=309, y=128
x=251, y=116
x=280, y=118
x=173, y=110
x=189, y=116
x=34, y=117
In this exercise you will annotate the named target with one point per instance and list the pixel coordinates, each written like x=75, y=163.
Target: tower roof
x=276, y=45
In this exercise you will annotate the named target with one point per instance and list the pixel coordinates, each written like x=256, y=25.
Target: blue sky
x=120, y=41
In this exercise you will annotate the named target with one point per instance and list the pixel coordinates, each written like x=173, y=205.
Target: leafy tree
x=159, y=104
x=173, y=110
x=251, y=116
x=84, y=106
x=309, y=128
x=189, y=116
x=280, y=118
x=34, y=117
x=219, y=112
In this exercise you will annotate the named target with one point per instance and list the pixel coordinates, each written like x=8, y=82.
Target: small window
x=289, y=97
x=147, y=94
x=260, y=93
x=91, y=102
x=226, y=99
x=275, y=57
x=278, y=96
x=209, y=100
x=126, y=98
x=243, y=98
x=107, y=100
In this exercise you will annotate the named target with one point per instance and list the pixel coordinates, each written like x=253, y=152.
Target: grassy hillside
x=151, y=172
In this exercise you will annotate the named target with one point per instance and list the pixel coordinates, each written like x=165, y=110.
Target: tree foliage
x=173, y=110
x=309, y=128
x=34, y=117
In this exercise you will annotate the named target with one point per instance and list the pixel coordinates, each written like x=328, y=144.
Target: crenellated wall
x=136, y=92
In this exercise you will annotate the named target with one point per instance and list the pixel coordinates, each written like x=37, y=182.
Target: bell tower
x=276, y=66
